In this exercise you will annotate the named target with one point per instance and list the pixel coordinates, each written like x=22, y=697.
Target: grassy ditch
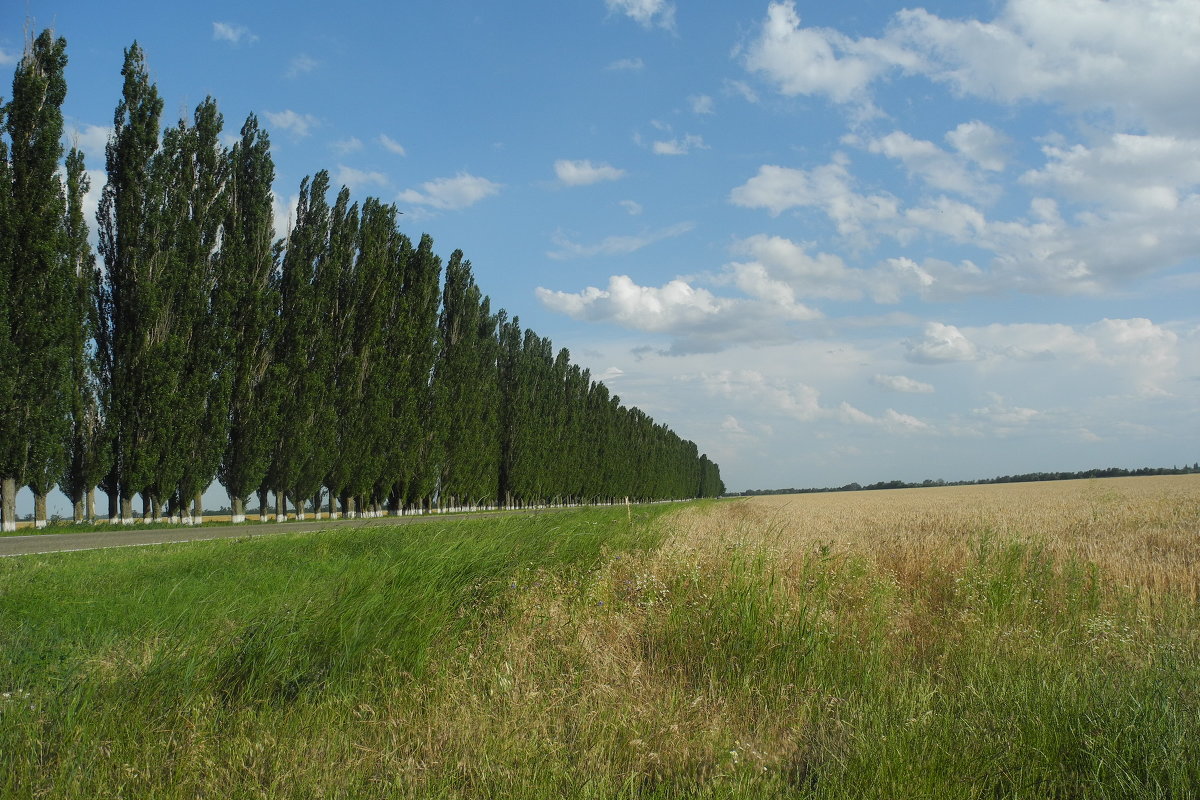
x=1024, y=641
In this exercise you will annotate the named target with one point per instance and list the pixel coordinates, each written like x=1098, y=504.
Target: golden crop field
x=1140, y=532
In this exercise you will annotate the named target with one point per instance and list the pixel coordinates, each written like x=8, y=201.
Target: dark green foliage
x=249, y=294
x=39, y=288
x=187, y=331
x=129, y=298
x=201, y=416
x=464, y=389
x=412, y=476
x=87, y=456
x=300, y=373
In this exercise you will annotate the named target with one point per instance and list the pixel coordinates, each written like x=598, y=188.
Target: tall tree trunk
x=126, y=510
x=238, y=507
x=317, y=505
x=90, y=505
x=78, y=511
x=198, y=508
x=280, y=507
x=39, y=510
x=262, y=505
x=8, y=505
x=299, y=502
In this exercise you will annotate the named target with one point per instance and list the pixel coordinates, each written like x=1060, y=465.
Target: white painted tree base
x=237, y=519
x=39, y=523
x=9, y=526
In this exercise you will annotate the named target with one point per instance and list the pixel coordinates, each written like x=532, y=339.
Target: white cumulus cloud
x=299, y=125
x=980, y=143
x=357, y=179
x=451, y=194
x=584, y=172
x=807, y=61
x=829, y=188
x=941, y=343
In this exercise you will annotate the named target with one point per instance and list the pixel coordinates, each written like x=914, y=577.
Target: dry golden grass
x=657, y=668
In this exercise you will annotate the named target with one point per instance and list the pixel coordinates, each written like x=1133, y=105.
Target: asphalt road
x=130, y=536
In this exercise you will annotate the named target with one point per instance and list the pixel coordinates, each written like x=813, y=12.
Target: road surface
x=130, y=536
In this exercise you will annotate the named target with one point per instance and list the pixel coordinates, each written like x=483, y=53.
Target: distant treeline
x=341, y=361
x=1028, y=477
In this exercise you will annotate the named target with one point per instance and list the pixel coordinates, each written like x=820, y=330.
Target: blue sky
x=829, y=242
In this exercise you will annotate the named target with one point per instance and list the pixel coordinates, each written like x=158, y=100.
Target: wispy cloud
x=391, y=145
x=902, y=383
x=584, y=172
x=301, y=65
x=647, y=13
x=347, y=146
x=626, y=65
x=615, y=245
x=702, y=104
x=233, y=33
x=679, y=146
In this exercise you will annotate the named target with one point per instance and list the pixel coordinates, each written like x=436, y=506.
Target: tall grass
x=1011, y=641
x=113, y=662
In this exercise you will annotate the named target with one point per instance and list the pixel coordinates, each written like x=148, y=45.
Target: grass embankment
x=1012, y=641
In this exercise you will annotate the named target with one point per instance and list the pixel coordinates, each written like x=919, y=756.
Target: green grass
x=102, y=651
x=575, y=655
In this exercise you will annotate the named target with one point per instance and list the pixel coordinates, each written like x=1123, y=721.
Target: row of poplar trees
x=334, y=368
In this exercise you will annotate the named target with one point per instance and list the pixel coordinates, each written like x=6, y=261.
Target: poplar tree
x=361, y=392
x=508, y=393
x=464, y=388
x=409, y=474
x=249, y=293
x=128, y=295
x=9, y=452
x=201, y=323
x=38, y=277
x=299, y=374
x=86, y=455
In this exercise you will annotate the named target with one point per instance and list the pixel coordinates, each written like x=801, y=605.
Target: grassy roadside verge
x=112, y=663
